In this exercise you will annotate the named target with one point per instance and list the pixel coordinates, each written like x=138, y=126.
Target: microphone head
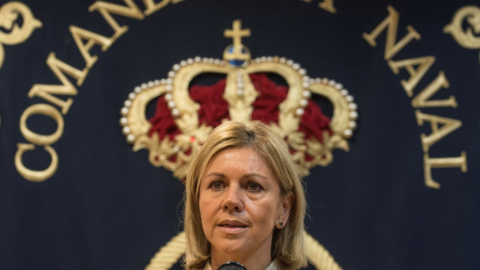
x=232, y=265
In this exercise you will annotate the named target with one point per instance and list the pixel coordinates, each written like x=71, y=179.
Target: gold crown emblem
x=182, y=122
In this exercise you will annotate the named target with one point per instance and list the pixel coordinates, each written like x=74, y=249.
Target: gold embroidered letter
x=446, y=162
x=421, y=100
x=391, y=49
x=41, y=109
x=105, y=9
x=415, y=75
x=438, y=132
x=80, y=34
x=32, y=175
x=66, y=88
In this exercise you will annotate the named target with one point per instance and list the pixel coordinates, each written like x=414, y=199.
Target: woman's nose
x=233, y=199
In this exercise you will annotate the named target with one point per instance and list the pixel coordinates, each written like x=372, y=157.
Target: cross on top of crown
x=239, y=51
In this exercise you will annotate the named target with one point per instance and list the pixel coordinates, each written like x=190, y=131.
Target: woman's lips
x=232, y=226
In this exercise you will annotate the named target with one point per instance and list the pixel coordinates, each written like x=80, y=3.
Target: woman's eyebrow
x=254, y=175
x=243, y=176
x=215, y=174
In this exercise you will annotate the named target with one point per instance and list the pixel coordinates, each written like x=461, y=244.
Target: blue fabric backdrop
x=107, y=207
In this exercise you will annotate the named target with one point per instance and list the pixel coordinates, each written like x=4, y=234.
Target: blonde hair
x=287, y=243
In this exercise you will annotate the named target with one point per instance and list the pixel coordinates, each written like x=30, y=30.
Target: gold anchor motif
x=9, y=13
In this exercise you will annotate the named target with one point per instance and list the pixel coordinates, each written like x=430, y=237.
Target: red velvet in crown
x=213, y=109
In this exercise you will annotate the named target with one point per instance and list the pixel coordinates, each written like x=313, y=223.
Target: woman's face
x=240, y=205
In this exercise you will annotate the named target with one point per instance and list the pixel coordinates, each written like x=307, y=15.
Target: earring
x=280, y=224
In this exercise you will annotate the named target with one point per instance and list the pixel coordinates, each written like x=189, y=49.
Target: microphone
x=232, y=265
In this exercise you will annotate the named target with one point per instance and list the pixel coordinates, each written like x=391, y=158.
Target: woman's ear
x=286, y=207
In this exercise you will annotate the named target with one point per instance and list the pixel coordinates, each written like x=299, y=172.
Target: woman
x=244, y=201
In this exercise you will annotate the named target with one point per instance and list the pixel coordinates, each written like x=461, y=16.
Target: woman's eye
x=216, y=185
x=254, y=187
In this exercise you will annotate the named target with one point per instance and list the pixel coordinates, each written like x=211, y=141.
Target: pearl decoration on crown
x=299, y=111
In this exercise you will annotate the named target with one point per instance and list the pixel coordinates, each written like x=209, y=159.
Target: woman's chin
x=234, y=248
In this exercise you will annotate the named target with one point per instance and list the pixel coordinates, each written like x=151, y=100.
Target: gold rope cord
x=318, y=255
x=169, y=254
